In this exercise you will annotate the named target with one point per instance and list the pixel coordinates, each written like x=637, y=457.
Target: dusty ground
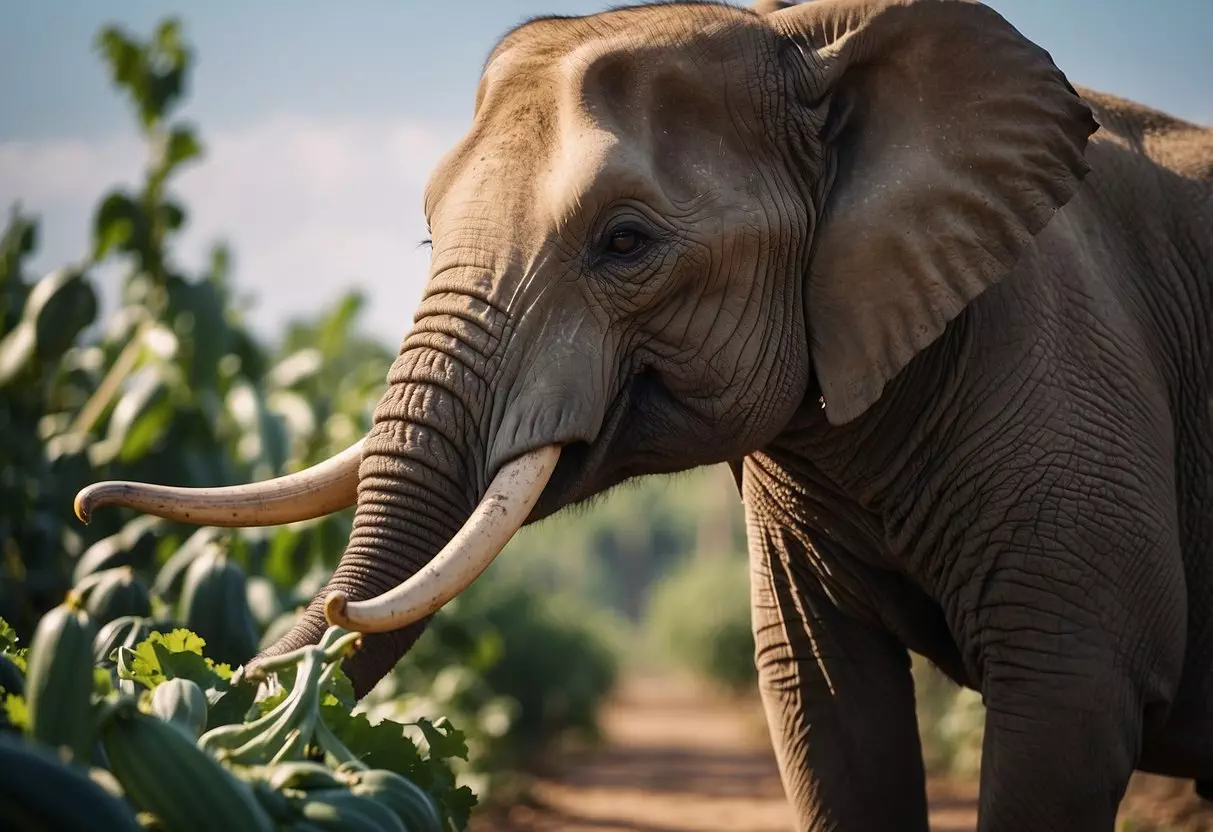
x=677, y=760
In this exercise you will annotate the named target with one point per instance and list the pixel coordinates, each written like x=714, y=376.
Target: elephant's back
x=1180, y=146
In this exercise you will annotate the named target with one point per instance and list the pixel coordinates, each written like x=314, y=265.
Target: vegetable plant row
x=126, y=727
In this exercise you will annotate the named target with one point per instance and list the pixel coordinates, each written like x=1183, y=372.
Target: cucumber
x=411, y=803
x=214, y=604
x=181, y=703
x=167, y=584
x=343, y=811
x=38, y=793
x=59, y=680
x=114, y=593
x=167, y=775
x=303, y=775
x=133, y=545
x=124, y=631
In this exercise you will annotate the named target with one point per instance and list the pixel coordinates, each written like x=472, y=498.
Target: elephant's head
x=666, y=229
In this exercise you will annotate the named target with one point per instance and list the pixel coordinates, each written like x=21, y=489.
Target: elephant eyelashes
x=626, y=241
x=623, y=246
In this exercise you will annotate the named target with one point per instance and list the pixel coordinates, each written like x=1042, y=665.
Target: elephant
x=944, y=315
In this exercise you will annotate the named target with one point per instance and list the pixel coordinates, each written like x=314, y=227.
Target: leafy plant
x=533, y=669
x=317, y=712
x=699, y=619
x=173, y=387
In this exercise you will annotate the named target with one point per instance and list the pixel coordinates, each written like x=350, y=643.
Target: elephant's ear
x=955, y=141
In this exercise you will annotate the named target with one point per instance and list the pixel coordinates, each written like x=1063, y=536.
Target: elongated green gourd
x=182, y=703
x=39, y=793
x=59, y=680
x=166, y=774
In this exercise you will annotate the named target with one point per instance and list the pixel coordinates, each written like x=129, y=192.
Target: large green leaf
x=197, y=316
x=118, y=224
x=142, y=416
x=152, y=74
x=18, y=242
x=264, y=437
x=387, y=745
x=17, y=349
x=181, y=146
x=61, y=305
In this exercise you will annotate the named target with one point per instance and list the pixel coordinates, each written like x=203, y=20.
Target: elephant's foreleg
x=839, y=700
x=1077, y=637
x=1050, y=762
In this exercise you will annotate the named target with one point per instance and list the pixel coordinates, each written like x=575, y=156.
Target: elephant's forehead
x=596, y=63
x=553, y=118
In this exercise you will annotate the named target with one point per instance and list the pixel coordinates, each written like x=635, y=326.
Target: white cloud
x=309, y=207
x=62, y=171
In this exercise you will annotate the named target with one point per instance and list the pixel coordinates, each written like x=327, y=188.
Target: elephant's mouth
x=585, y=468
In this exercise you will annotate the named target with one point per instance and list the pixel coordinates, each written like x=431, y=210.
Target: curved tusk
x=326, y=487
x=501, y=513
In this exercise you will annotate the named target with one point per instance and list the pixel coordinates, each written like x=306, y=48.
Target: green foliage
x=176, y=655
x=152, y=73
x=699, y=618
x=172, y=387
x=75, y=410
x=387, y=745
x=614, y=555
x=421, y=751
x=534, y=668
x=173, y=368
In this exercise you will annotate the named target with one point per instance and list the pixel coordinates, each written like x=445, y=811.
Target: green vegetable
x=343, y=811
x=38, y=792
x=304, y=775
x=116, y=593
x=124, y=631
x=133, y=545
x=182, y=703
x=404, y=797
x=59, y=681
x=214, y=604
x=166, y=774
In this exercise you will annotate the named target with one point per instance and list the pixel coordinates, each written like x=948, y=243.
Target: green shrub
x=532, y=667
x=699, y=619
x=142, y=396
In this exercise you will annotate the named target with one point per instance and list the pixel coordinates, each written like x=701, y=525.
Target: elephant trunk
x=501, y=512
x=418, y=483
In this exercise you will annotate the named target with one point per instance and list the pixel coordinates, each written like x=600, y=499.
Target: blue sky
x=322, y=120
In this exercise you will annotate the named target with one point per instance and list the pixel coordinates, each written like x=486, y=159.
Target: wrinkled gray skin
x=828, y=245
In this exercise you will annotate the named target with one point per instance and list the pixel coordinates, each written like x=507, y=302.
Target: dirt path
x=676, y=760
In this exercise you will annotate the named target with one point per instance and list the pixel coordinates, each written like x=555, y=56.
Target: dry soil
x=677, y=759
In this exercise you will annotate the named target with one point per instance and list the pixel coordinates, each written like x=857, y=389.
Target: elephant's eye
x=625, y=241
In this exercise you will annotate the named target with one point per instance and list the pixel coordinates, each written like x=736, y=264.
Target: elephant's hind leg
x=839, y=700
